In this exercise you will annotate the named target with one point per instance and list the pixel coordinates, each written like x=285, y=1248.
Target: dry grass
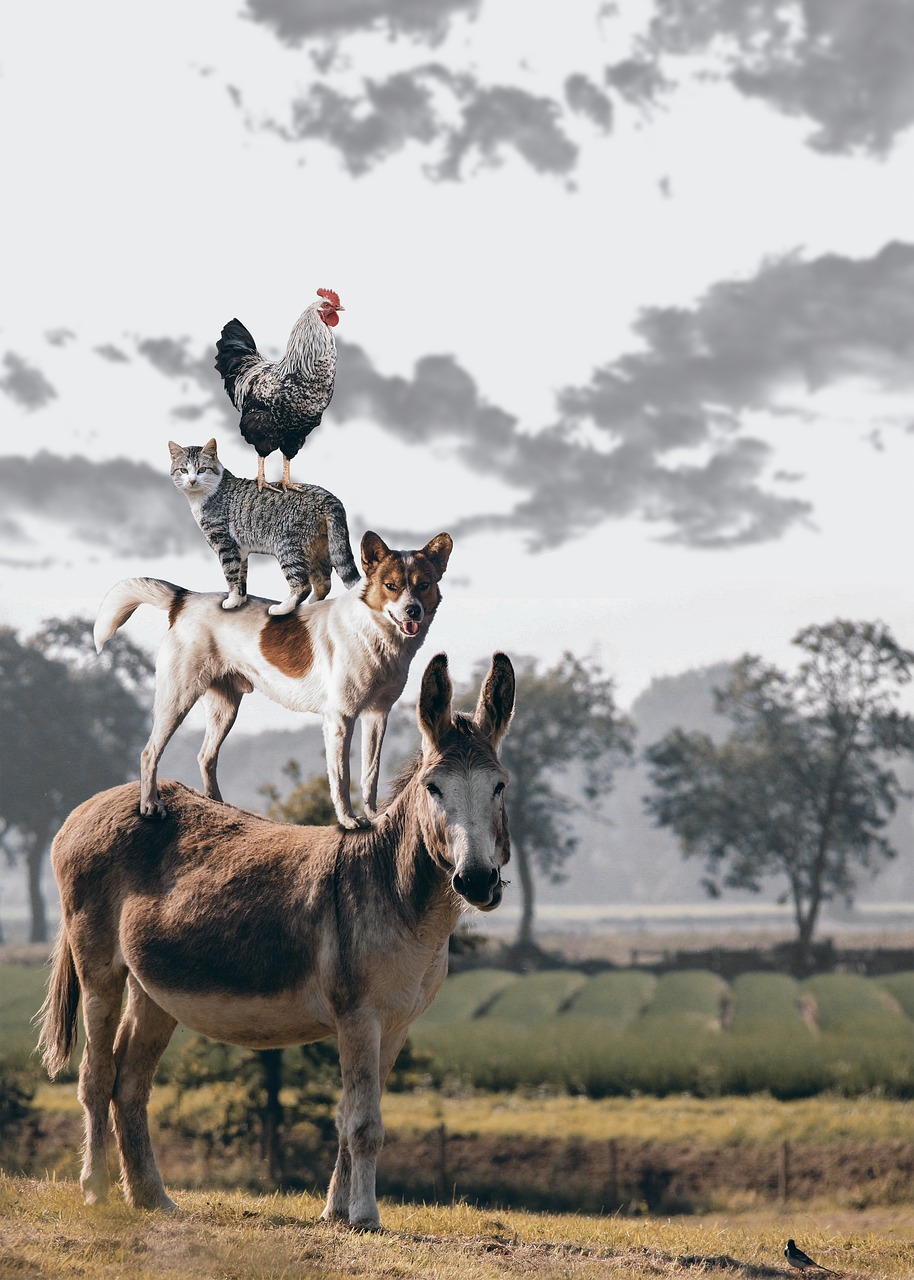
x=712, y=1122
x=46, y=1231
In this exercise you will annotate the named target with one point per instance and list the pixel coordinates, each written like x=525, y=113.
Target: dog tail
x=124, y=599
x=58, y=1013
x=338, y=543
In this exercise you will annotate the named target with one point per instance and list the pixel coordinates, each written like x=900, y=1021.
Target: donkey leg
x=359, y=1122
x=144, y=1032
x=101, y=1013
x=221, y=702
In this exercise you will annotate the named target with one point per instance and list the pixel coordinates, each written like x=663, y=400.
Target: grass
x=465, y=995
x=47, y=1231
x=617, y=997
x=538, y=996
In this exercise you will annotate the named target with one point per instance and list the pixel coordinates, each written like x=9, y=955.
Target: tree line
x=794, y=799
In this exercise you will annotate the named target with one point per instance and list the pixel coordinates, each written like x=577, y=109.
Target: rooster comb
x=330, y=296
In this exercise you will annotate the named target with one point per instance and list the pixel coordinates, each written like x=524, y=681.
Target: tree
x=71, y=726
x=565, y=716
x=801, y=790
x=308, y=804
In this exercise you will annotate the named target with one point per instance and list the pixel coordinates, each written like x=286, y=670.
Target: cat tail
x=125, y=597
x=338, y=543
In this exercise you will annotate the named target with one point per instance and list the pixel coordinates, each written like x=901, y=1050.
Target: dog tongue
x=410, y=627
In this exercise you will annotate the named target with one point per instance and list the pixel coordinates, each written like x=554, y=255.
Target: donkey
x=262, y=935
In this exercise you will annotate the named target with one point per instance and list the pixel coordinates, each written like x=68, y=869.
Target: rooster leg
x=286, y=480
x=262, y=480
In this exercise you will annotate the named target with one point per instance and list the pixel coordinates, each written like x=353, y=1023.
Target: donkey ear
x=374, y=549
x=439, y=551
x=496, y=699
x=434, y=710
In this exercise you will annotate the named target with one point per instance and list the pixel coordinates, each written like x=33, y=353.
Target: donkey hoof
x=366, y=1224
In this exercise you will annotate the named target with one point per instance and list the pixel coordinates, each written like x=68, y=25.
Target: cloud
x=297, y=21
x=24, y=383
x=661, y=433
x=122, y=506
x=108, y=351
x=453, y=115
x=846, y=66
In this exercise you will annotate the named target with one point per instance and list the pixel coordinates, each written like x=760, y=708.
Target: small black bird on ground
x=797, y=1258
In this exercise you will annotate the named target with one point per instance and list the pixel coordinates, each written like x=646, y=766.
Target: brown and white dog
x=343, y=658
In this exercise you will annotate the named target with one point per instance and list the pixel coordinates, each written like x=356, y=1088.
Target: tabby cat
x=304, y=529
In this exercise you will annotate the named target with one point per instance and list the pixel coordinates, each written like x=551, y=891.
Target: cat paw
x=233, y=601
x=287, y=606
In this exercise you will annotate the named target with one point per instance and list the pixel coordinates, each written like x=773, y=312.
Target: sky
x=629, y=297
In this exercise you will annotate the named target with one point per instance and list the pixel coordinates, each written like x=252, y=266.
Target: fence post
x=612, y=1190
x=441, y=1174
x=784, y=1172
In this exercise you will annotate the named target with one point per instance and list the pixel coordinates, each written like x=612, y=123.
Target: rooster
x=281, y=402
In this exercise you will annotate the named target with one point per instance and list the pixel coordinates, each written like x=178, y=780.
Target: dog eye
x=423, y=586
x=391, y=586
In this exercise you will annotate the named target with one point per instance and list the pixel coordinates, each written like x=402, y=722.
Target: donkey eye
x=499, y=788
x=433, y=790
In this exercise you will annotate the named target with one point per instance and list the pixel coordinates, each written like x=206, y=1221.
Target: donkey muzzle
x=480, y=886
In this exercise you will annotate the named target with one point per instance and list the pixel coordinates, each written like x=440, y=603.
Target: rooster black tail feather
x=233, y=353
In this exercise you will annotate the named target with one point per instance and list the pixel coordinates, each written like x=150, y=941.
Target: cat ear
x=175, y=450
x=210, y=447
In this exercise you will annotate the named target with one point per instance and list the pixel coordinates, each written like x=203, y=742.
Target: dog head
x=403, y=585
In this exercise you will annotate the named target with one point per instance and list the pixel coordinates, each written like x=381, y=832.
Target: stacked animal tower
x=253, y=932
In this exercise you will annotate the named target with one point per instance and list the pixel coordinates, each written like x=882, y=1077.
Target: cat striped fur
x=305, y=528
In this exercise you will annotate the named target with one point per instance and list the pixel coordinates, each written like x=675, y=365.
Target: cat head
x=195, y=468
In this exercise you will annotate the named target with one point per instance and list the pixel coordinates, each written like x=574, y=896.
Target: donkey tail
x=125, y=597
x=58, y=1013
x=338, y=543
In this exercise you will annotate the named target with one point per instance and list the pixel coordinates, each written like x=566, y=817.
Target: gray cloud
x=108, y=351
x=59, y=337
x=452, y=114
x=845, y=65
x=690, y=383
x=24, y=383
x=118, y=505
x=295, y=21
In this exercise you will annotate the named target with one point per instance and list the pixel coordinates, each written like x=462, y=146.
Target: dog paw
x=153, y=809
x=353, y=823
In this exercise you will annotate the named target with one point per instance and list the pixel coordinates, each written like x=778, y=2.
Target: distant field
x=685, y=1032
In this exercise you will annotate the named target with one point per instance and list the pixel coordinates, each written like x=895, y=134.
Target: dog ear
x=439, y=551
x=434, y=709
x=374, y=549
x=496, y=699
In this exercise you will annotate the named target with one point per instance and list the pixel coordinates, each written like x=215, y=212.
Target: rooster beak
x=340, y=308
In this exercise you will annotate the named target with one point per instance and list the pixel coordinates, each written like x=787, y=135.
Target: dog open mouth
x=408, y=626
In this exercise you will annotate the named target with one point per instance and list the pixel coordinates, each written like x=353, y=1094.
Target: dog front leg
x=337, y=741
x=374, y=725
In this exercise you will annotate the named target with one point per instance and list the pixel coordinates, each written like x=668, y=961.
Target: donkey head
x=465, y=823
